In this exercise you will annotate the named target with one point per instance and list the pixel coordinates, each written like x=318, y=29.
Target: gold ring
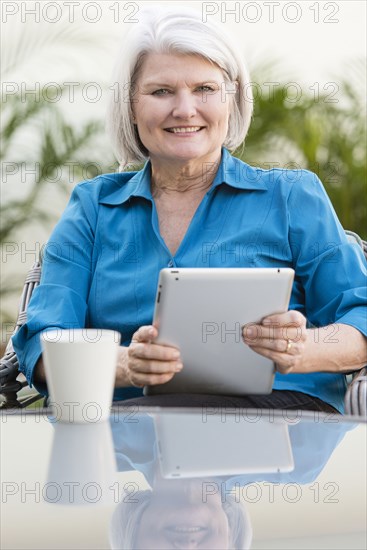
x=289, y=345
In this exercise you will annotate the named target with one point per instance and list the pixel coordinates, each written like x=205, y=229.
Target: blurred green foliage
x=58, y=143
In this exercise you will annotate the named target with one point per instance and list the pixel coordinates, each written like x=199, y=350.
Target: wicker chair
x=355, y=401
x=12, y=381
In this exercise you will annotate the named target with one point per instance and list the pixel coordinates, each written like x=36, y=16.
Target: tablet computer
x=202, y=311
x=223, y=445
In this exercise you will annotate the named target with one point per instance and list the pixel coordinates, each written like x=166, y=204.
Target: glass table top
x=183, y=478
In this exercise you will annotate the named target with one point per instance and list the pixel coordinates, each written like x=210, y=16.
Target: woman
x=194, y=205
x=174, y=515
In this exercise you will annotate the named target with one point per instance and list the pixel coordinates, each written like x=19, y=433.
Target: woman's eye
x=206, y=88
x=165, y=91
x=161, y=91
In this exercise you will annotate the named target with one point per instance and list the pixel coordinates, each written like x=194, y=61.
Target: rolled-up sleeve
x=331, y=269
x=60, y=301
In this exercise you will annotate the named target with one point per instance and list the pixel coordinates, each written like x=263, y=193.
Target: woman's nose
x=184, y=106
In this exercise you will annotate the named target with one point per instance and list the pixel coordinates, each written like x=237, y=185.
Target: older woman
x=184, y=104
x=154, y=518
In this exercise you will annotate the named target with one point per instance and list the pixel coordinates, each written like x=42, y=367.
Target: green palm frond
x=56, y=143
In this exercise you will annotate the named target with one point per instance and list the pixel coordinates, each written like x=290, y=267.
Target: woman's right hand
x=149, y=363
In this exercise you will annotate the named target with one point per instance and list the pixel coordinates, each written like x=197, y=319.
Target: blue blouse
x=101, y=263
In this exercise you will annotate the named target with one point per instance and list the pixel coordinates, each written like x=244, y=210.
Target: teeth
x=184, y=130
x=187, y=529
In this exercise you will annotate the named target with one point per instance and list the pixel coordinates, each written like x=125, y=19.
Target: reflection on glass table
x=86, y=480
x=170, y=478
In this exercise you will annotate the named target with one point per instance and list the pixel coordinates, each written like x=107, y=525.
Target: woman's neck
x=173, y=179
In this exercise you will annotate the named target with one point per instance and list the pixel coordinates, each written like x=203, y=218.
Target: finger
x=280, y=346
x=257, y=333
x=284, y=369
x=145, y=334
x=140, y=380
x=291, y=317
x=145, y=350
x=155, y=367
x=284, y=363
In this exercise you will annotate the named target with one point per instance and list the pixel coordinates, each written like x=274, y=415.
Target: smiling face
x=179, y=517
x=179, y=109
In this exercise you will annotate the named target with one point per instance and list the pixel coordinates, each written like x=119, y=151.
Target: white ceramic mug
x=80, y=366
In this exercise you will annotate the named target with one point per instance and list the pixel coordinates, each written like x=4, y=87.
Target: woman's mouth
x=184, y=129
x=185, y=529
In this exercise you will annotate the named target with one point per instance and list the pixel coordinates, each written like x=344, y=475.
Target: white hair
x=176, y=31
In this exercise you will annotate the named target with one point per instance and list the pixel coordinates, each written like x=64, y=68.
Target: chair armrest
x=354, y=238
x=9, y=364
x=355, y=401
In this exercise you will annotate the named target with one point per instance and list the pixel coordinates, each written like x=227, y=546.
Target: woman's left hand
x=282, y=338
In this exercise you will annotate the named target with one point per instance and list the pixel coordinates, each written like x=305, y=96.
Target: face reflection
x=180, y=108
x=178, y=516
